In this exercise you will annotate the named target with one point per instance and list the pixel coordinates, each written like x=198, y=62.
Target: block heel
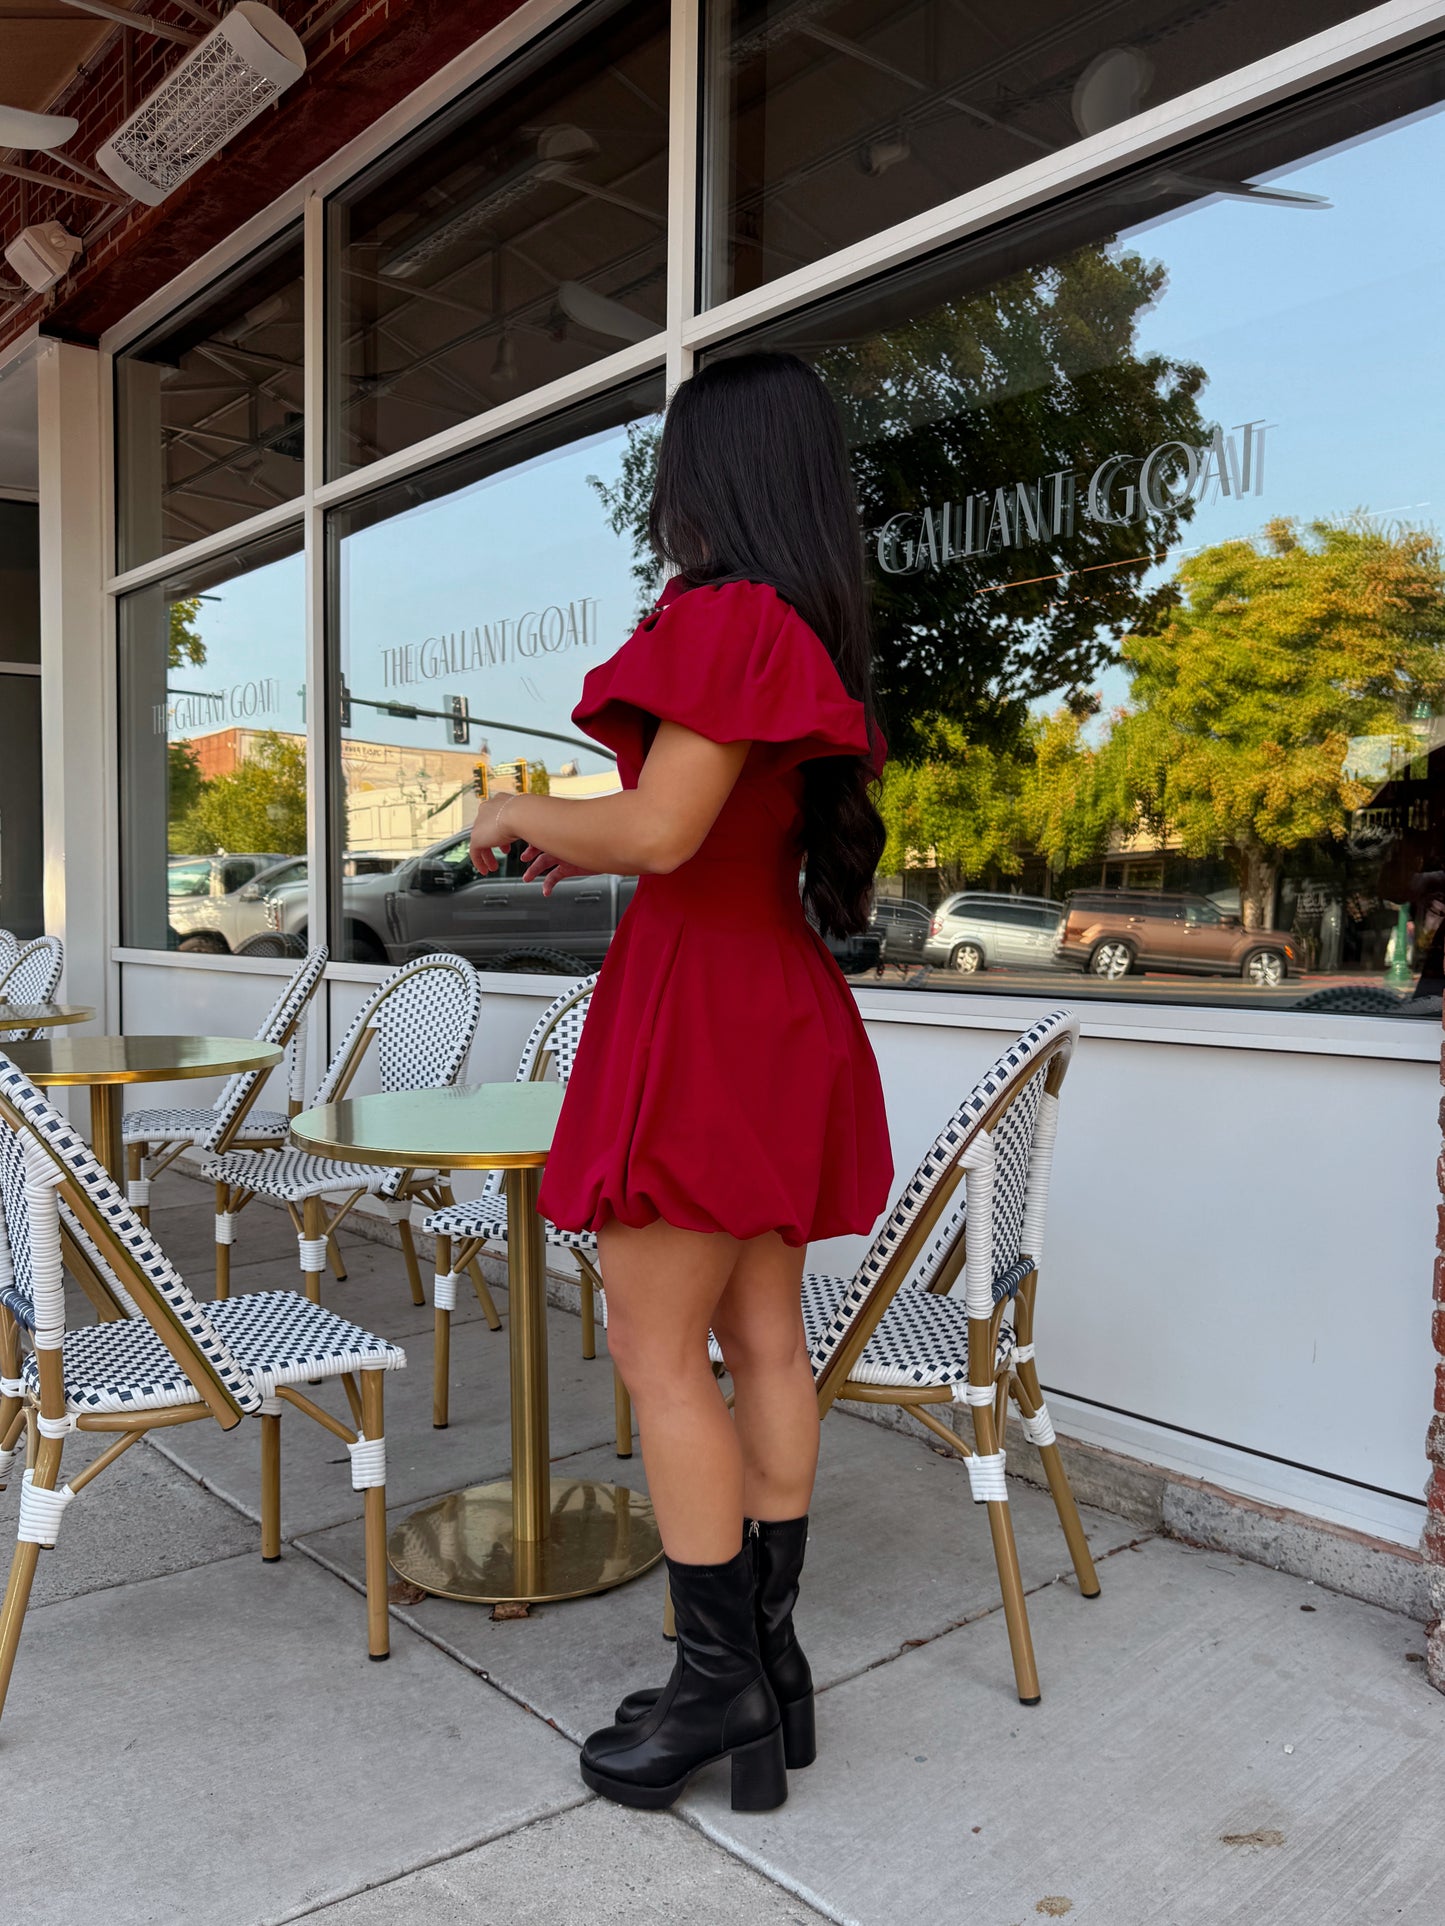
x=800, y=1733
x=760, y=1776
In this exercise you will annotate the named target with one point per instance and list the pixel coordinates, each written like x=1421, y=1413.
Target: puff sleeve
x=735, y=663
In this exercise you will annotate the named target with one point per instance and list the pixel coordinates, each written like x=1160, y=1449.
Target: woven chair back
x=33, y=976
x=44, y=1163
x=285, y=1022
x=423, y=1019
x=553, y=1043
x=976, y=1202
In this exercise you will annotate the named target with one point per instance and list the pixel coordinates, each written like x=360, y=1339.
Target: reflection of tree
x=627, y=501
x=259, y=806
x=1039, y=373
x=184, y=643
x=1247, y=691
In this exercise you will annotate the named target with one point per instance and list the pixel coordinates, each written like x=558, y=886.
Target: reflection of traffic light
x=482, y=781
x=345, y=704
x=459, y=729
x=521, y=766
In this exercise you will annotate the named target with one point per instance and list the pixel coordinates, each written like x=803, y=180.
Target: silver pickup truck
x=437, y=901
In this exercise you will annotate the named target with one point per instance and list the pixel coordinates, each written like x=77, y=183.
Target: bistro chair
x=423, y=1018
x=271, y=943
x=894, y=1334
x=154, y=1139
x=464, y=1230
x=33, y=977
x=169, y=1361
x=9, y=950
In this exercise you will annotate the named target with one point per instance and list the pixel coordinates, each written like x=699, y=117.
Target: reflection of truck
x=224, y=893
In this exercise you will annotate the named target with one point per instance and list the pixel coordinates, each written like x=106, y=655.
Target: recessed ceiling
x=42, y=44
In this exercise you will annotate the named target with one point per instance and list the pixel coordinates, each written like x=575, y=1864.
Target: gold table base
x=463, y=1546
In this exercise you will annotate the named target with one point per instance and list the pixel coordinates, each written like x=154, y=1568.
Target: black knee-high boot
x=717, y=1704
x=777, y=1547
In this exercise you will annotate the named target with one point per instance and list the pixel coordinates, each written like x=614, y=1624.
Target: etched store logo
x=550, y=631
x=199, y=709
x=1121, y=490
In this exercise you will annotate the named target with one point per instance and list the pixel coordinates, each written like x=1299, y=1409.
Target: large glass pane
x=209, y=421
x=1152, y=491
x=831, y=119
x=213, y=750
x=521, y=236
x=469, y=604
x=22, y=848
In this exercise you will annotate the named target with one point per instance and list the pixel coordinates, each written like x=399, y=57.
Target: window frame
x=1368, y=38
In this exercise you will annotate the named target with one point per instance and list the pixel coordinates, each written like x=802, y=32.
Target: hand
x=551, y=869
x=488, y=836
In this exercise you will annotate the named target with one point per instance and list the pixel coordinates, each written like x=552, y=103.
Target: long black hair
x=753, y=485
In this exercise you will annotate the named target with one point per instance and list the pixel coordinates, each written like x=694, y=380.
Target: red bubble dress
x=724, y=1081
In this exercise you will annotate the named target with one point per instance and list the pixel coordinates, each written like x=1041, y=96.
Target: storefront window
x=209, y=411
x=1152, y=492
x=22, y=909
x=213, y=752
x=469, y=604
x=829, y=120
x=520, y=237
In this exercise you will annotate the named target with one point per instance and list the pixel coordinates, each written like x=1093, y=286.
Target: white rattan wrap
x=1039, y=1429
x=40, y=1511
x=368, y=1463
x=986, y=1478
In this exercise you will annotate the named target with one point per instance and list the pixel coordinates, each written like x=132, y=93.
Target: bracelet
x=501, y=814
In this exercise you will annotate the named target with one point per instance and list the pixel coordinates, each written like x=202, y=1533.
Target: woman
x=725, y=1108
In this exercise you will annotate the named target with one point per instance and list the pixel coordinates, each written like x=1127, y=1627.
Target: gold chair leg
x=313, y=1230
x=622, y=1405
x=484, y=1296
x=135, y=1156
x=441, y=1342
x=1030, y=1402
x=378, y=1625
x=334, y=1259
x=223, y=1251
x=22, y=1570
x=589, y=1314
x=270, y=1486
x=413, y=1270
x=1006, y=1556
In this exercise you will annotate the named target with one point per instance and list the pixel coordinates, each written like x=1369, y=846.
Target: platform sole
x=759, y=1779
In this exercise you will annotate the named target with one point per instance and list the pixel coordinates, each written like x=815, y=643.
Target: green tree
x=1037, y=374
x=1248, y=689
x=184, y=641
x=958, y=806
x=259, y=806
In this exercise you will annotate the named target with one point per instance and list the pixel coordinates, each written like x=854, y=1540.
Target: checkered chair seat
x=276, y=1337
x=161, y=1126
x=922, y=1340
x=293, y=1175
x=486, y=1216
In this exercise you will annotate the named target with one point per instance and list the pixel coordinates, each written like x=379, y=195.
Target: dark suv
x=1113, y=932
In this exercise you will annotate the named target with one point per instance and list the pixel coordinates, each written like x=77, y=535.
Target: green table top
x=37, y=1016
x=66, y=1059
x=480, y=1126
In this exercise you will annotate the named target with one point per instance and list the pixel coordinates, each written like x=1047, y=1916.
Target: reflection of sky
x=533, y=537
x=1322, y=322
x=254, y=629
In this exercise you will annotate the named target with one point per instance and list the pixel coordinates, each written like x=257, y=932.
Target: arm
x=649, y=830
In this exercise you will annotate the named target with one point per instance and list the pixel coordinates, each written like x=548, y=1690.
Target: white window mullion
x=318, y=868
x=684, y=135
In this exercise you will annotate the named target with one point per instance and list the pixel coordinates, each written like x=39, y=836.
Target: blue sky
x=1327, y=324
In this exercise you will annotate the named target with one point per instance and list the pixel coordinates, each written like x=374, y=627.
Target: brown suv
x=1111, y=932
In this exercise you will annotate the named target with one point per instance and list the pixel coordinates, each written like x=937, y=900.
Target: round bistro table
x=39, y=1016
x=532, y=1537
x=107, y=1064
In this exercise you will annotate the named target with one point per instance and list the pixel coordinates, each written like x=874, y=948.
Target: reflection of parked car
x=1110, y=932
x=980, y=929
x=223, y=893
x=286, y=909
x=437, y=901
x=902, y=925
x=856, y=955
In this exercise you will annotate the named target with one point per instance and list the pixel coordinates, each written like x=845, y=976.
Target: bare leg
x=662, y=1286
x=759, y=1324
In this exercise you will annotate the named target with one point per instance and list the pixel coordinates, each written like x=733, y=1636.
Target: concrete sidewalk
x=193, y=1735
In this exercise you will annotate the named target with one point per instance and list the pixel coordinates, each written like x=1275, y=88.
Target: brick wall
x=363, y=56
x=1433, y=1543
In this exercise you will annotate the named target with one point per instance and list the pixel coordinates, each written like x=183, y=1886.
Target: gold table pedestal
x=463, y=1546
